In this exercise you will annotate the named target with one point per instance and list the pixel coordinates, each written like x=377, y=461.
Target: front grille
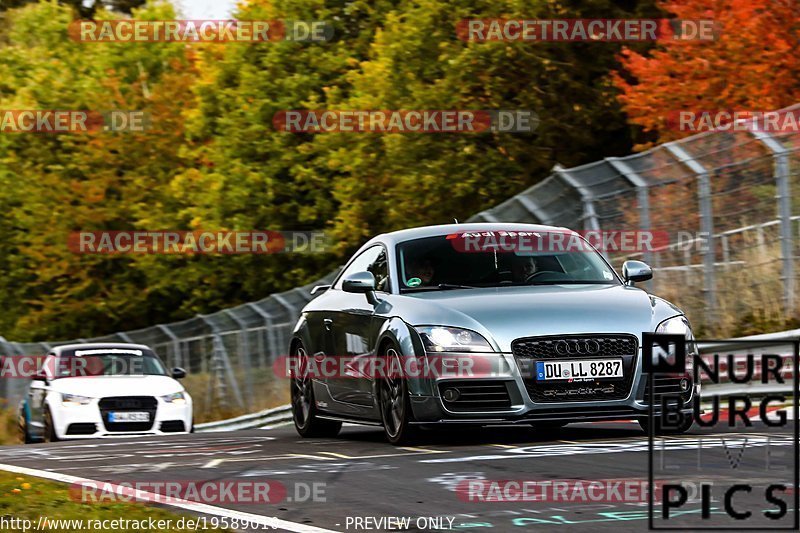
x=173, y=426
x=474, y=395
x=545, y=347
x=666, y=385
x=528, y=351
x=82, y=428
x=128, y=403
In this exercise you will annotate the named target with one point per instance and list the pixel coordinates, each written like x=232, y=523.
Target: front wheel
x=304, y=408
x=24, y=434
x=49, y=428
x=394, y=403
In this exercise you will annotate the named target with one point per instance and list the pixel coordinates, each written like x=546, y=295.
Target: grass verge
x=29, y=498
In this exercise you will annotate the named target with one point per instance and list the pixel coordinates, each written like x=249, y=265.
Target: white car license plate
x=129, y=416
x=579, y=369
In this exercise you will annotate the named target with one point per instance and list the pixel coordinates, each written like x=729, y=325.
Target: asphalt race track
x=364, y=476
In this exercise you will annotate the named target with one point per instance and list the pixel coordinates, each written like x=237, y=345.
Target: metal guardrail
x=269, y=417
x=283, y=414
x=739, y=351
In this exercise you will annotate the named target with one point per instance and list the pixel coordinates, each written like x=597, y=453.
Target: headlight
x=177, y=398
x=444, y=339
x=69, y=400
x=679, y=325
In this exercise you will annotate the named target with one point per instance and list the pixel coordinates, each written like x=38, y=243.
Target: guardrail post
x=642, y=196
x=244, y=343
x=780, y=155
x=221, y=363
x=5, y=383
x=270, y=333
x=176, y=345
x=293, y=311
x=531, y=207
x=706, y=225
x=590, y=220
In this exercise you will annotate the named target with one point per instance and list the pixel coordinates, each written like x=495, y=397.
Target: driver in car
x=525, y=268
x=420, y=272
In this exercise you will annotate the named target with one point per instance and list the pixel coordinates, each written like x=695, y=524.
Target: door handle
x=328, y=323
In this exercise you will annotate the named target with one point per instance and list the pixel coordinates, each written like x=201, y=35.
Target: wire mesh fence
x=228, y=354
x=724, y=198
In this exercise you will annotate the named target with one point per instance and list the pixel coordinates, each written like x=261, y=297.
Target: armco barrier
x=739, y=350
x=283, y=414
x=268, y=417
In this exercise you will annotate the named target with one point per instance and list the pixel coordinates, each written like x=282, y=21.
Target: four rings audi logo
x=578, y=347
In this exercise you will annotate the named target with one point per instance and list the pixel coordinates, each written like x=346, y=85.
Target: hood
x=503, y=314
x=103, y=386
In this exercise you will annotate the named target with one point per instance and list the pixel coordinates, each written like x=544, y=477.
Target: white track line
x=265, y=521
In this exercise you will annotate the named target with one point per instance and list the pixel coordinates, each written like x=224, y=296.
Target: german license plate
x=129, y=416
x=580, y=369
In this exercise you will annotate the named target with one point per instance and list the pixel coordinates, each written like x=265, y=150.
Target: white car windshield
x=96, y=363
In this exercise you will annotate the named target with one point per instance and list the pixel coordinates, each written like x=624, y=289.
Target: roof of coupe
x=444, y=229
x=99, y=345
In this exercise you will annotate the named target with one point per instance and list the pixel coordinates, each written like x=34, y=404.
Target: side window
x=364, y=262
x=50, y=365
x=380, y=269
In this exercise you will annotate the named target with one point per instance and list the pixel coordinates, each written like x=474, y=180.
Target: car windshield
x=109, y=362
x=497, y=259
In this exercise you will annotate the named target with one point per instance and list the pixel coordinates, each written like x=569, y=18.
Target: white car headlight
x=71, y=400
x=176, y=398
x=444, y=339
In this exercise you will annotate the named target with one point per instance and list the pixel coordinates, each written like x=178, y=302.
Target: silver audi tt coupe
x=478, y=324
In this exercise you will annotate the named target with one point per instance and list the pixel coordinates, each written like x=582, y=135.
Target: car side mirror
x=633, y=271
x=178, y=373
x=319, y=288
x=361, y=282
x=40, y=376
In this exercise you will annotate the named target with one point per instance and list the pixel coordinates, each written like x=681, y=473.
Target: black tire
x=394, y=403
x=304, y=408
x=24, y=434
x=49, y=430
x=687, y=424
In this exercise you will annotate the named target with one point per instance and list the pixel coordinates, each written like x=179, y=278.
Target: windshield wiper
x=454, y=286
x=572, y=282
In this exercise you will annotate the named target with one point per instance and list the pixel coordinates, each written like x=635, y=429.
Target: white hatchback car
x=104, y=390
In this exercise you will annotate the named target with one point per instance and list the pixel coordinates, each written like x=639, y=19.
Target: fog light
x=451, y=395
x=684, y=384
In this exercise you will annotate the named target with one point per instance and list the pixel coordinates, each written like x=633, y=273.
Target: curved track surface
x=359, y=475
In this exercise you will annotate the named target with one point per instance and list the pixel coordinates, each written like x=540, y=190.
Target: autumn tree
x=751, y=65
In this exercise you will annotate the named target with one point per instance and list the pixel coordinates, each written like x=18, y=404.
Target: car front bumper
x=430, y=407
x=90, y=421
